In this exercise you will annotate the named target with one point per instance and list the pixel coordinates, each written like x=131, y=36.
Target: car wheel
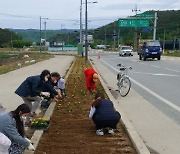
x=140, y=57
x=144, y=58
x=159, y=58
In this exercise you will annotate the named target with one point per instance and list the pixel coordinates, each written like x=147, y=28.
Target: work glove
x=47, y=94
x=31, y=147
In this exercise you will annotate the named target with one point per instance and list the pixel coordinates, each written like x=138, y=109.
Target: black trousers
x=106, y=123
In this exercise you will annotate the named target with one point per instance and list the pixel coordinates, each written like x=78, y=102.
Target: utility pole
x=40, y=34
x=45, y=35
x=135, y=39
x=118, y=37
x=155, y=25
x=164, y=41
x=62, y=36
x=11, y=41
x=105, y=37
x=81, y=41
x=174, y=46
x=114, y=37
x=45, y=30
x=86, y=42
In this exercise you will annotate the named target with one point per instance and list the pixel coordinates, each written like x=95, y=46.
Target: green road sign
x=129, y=23
x=143, y=15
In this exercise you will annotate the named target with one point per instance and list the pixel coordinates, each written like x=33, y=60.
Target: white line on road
x=150, y=91
x=155, y=66
x=172, y=70
x=156, y=74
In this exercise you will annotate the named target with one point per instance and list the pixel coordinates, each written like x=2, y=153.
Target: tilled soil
x=71, y=131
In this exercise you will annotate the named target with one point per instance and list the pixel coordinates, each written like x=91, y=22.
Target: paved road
x=156, y=81
x=10, y=81
x=155, y=112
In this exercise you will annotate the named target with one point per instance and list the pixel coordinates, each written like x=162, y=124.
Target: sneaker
x=111, y=131
x=100, y=132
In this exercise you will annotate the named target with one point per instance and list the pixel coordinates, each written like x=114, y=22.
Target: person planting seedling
x=91, y=77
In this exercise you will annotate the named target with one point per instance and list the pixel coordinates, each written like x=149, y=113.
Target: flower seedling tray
x=40, y=124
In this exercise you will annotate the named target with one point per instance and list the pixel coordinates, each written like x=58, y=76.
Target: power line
x=169, y=4
x=19, y=16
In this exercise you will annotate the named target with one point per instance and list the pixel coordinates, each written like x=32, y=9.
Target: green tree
x=21, y=43
x=6, y=37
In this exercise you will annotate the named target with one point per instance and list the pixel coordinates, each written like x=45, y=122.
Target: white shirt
x=92, y=111
x=4, y=144
x=61, y=83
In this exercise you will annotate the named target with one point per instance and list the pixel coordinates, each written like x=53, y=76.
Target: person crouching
x=104, y=114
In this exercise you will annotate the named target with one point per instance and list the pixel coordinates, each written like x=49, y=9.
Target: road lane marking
x=157, y=96
x=148, y=90
x=156, y=74
x=165, y=74
x=172, y=70
x=133, y=60
x=155, y=66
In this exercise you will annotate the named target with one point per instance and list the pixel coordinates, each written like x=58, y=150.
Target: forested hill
x=168, y=22
x=33, y=35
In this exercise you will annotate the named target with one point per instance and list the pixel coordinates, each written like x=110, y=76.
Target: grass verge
x=15, y=60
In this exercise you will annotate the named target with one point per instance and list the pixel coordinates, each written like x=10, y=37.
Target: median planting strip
x=72, y=131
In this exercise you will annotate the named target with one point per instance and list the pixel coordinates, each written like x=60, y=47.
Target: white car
x=126, y=51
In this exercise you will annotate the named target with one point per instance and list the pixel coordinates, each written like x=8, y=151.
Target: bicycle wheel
x=124, y=86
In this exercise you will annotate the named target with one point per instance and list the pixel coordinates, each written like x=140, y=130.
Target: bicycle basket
x=119, y=75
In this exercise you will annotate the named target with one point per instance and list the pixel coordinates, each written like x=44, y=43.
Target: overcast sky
x=25, y=14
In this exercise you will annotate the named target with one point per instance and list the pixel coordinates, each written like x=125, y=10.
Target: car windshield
x=153, y=43
x=126, y=48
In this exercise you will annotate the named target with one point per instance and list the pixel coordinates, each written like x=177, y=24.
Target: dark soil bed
x=71, y=131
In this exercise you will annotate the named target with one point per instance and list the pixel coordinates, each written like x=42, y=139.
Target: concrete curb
x=38, y=133
x=134, y=137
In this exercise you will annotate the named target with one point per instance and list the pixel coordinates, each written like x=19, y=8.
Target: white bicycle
x=124, y=83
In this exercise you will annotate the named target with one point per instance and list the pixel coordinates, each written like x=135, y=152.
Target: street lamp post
x=40, y=33
x=45, y=31
x=81, y=23
x=164, y=40
x=45, y=35
x=86, y=43
x=86, y=33
x=62, y=36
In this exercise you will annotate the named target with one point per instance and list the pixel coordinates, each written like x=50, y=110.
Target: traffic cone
x=99, y=55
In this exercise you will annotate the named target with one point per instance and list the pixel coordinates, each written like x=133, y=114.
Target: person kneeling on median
x=104, y=114
x=12, y=126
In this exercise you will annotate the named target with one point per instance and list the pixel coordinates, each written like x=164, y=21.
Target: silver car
x=126, y=51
